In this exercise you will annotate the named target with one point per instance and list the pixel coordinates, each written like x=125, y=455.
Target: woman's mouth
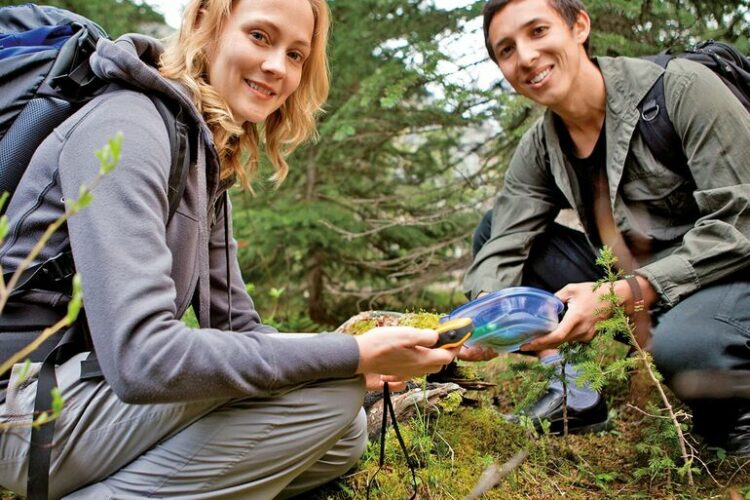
x=260, y=89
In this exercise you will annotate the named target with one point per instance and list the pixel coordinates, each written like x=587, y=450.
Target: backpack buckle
x=59, y=268
x=650, y=110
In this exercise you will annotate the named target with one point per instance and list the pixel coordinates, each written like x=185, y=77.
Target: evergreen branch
x=608, y=261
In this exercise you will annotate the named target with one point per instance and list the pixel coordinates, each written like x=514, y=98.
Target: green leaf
x=24, y=372
x=84, y=199
x=76, y=301
x=4, y=227
x=57, y=401
x=344, y=132
x=42, y=419
x=276, y=292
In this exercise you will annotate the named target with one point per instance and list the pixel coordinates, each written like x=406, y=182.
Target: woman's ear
x=582, y=27
x=199, y=18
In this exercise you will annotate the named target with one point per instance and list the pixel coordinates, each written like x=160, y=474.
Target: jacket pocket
x=182, y=240
x=662, y=205
x=735, y=306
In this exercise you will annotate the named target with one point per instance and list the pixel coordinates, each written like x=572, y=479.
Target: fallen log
x=405, y=405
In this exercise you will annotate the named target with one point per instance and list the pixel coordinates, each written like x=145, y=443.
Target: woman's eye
x=258, y=35
x=539, y=30
x=296, y=56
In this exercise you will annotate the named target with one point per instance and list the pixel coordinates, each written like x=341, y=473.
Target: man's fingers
x=564, y=294
x=476, y=354
x=552, y=339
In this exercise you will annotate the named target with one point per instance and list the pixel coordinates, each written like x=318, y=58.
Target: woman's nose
x=275, y=63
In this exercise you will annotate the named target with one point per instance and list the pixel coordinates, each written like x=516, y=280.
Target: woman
x=229, y=409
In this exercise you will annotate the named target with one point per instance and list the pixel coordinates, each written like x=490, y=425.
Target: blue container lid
x=508, y=318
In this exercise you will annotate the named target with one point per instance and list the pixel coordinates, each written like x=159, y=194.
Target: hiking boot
x=728, y=427
x=594, y=418
x=738, y=439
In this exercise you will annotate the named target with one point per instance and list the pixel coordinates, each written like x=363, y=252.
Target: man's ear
x=582, y=27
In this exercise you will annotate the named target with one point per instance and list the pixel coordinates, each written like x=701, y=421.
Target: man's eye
x=539, y=30
x=505, y=51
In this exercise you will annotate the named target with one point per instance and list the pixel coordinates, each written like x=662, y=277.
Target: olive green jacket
x=697, y=229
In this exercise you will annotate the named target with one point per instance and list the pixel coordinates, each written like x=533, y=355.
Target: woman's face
x=257, y=60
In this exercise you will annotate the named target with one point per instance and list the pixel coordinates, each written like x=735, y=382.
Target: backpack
x=45, y=77
x=657, y=130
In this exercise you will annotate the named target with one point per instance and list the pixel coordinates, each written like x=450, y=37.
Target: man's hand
x=476, y=353
x=579, y=322
x=400, y=351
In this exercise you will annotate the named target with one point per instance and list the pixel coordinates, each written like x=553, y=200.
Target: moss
x=363, y=326
x=454, y=446
x=421, y=320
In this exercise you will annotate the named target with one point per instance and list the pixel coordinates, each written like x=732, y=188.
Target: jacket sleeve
x=244, y=316
x=146, y=353
x=715, y=132
x=527, y=204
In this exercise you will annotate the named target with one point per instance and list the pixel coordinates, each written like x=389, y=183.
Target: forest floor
x=637, y=458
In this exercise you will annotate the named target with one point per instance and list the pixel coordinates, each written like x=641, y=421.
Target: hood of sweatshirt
x=131, y=60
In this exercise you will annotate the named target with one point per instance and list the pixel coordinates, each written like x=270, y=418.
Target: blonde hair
x=185, y=59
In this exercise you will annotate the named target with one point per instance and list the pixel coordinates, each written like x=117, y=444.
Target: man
x=684, y=236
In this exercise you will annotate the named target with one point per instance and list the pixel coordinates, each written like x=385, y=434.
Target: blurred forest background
x=379, y=212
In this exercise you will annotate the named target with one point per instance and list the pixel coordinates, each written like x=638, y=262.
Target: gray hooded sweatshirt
x=139, y=273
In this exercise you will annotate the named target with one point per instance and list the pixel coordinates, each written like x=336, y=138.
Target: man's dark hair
x=568, y=10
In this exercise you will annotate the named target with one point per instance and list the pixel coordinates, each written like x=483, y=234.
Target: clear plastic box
x=508, y=318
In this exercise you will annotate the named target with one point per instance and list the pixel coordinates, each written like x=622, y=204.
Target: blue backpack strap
x=654, y=124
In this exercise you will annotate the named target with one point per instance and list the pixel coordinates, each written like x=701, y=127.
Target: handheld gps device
x=453, y=333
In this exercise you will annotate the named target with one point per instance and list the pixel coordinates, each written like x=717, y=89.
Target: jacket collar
x=626, y=81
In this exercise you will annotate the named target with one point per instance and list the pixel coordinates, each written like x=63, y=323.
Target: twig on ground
x=632, y=406
x=494, y=475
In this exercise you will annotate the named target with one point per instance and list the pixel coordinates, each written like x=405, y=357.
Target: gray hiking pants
x=244, y=448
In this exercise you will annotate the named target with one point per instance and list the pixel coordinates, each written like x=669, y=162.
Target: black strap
x=40, y=450
x=180, y=151
x=655, y=126
x=388, y=409
x=226, y=256
x=54, y=274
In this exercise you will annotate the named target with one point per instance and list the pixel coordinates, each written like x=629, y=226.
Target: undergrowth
x=453, y=448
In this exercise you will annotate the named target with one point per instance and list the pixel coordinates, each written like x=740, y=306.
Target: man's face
x=537, y=52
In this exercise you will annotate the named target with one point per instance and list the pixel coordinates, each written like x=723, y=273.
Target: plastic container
x=508, y=318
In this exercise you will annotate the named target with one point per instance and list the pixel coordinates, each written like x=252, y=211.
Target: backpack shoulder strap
x=182, y=152
x=655, y=126
x=56, y=273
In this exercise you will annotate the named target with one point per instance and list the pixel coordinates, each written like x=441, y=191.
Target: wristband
x=639, y=305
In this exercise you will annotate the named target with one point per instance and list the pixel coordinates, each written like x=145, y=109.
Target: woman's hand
x=375, y=381
x=400, y=351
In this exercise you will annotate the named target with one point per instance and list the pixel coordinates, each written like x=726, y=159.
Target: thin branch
x=494, y=475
